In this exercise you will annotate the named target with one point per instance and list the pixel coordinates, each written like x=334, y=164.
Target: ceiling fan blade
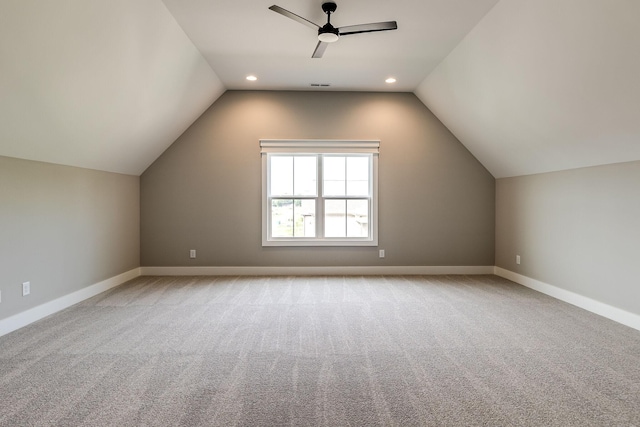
x=293, y=16
x=320, y=48
x=368, y=28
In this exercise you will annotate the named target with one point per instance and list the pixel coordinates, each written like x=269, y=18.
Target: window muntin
x=319, y=193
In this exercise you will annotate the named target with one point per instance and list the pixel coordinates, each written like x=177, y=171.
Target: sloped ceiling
x=544, y=85
x=527, y=86
x=110, y=84
x=105, y=85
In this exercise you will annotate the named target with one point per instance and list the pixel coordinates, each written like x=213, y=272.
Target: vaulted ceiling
x=527, y=86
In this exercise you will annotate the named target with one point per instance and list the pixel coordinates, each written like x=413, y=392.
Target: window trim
x=320, y=147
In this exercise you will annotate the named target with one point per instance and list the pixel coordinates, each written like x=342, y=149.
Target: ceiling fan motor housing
x=329, y=7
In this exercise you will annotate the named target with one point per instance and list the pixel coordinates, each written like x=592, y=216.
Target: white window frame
x=320, y=147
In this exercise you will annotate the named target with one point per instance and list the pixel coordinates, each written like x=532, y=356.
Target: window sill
x=320, y=242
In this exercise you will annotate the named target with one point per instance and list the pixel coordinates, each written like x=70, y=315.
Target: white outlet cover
x=26, y=288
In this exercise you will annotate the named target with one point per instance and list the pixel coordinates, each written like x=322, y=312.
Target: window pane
x=358, y=176
x=281, y=176
x=282, y=218
x=335, y=224
x=357, y=218
x=304, y=218
x=333, y=173
x=346, y=218
x=305, y=175
x=293, y=218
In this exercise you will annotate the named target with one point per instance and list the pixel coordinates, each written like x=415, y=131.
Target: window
x=319, y=193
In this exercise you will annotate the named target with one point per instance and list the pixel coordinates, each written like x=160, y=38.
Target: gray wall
x=63, y=228
x=578, y=230
x=437, y=203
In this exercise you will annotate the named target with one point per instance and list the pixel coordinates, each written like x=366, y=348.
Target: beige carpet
x=329, y=351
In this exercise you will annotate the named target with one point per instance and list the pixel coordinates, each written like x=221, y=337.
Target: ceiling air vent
x=320, y=85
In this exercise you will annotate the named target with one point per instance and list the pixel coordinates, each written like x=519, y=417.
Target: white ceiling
x=244, y=37
x=527, y=86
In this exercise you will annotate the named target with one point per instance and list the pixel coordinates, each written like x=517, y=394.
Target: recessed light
x=252, y=78
x=390, y=80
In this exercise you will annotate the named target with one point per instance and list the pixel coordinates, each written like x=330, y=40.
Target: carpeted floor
x=329, y=351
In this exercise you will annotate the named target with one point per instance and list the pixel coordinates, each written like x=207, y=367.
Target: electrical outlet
x=381, y=254
x=0, y=296
x=518, y=259
x=26, y=288
x=192, y=253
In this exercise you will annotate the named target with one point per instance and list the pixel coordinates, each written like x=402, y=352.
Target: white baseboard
x=31, y=315
x=20, y=320
x=314, y=271
x=616, y=314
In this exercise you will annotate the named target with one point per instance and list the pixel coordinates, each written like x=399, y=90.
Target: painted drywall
x=121, y=74
x=544, y=85
x=436, y=207
x=63, y=228
x=577, y=230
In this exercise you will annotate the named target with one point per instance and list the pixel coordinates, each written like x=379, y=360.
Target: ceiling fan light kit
x=330, y=34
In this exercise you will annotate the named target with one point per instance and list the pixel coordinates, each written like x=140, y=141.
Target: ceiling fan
x=328, y=33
